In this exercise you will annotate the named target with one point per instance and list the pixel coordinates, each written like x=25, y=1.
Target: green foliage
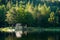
x=8, y=5
x=43, y=12
x=52, y=17
x=19, y=15
x=43, y=9
x=29, y=14
x=10, y=16
x=0, y=0
x=2, y=13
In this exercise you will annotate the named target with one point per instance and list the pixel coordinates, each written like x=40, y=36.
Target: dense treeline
x=42, y=14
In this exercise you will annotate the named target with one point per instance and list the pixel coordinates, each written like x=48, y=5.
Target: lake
x=31, y=36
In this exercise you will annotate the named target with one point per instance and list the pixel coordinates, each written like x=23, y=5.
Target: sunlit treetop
x=43, y=9
x=28, y=7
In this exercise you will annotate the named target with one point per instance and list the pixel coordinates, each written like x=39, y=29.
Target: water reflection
x=44, y=36
x=11, y=36
x=30, y=36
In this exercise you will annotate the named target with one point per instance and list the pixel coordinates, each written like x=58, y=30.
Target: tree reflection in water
x=30, y=36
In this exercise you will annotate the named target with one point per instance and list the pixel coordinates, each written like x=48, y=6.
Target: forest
x=32, y=13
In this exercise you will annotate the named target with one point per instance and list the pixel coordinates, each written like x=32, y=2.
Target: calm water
x=31, y=36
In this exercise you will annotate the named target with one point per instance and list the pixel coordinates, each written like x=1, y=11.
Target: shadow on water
x=30, y=36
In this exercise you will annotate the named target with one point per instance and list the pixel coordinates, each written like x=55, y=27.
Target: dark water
x=11, y=36
x=31, y=36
